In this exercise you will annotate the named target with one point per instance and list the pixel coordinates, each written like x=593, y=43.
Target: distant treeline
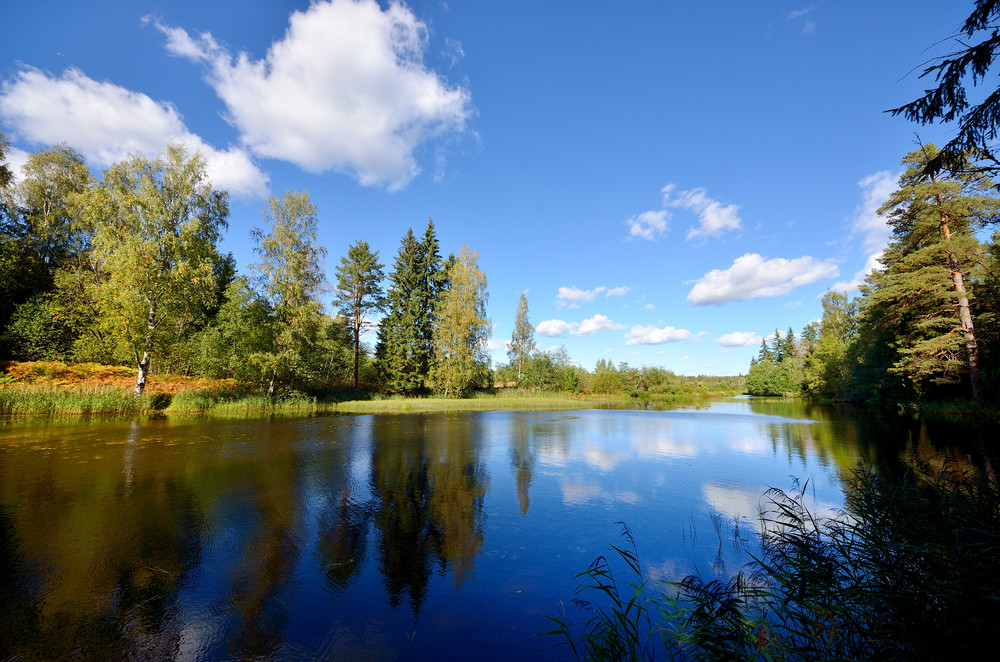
x=926, y=325
x=126, y=270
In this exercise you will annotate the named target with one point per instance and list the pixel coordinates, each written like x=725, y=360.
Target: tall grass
x=907, y=572
x=46, y=401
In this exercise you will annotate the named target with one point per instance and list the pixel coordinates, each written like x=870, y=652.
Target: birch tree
x=522, y=341
x=463, y=329
x=157, y=223
x=290, y=277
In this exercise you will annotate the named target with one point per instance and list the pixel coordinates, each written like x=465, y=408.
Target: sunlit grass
x=47, y=401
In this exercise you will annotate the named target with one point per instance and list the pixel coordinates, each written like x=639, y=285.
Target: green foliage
x=289, y=277
x=157, y=224
x=775, y=379
x=359, y=292
x=461, y=358
x=405, y=348
x=606, y=378
x=948, y=101
x=522, y=341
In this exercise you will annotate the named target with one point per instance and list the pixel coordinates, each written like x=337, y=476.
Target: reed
x=48, y=401
x=907, y=572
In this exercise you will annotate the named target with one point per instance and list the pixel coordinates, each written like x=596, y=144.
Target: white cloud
x=649, y=225
x=494, y=344
x=596, y=324
x=738, y=339
x=649, y=306
x=106, y=123
x=714, y=218
x=651, y=335
x=753, y=277
x=588, y=327
x=572, y=297
x=852, y=285
x=875, y=190
x=345, y=89
x=553, y=328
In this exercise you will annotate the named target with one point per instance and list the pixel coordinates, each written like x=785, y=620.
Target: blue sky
x=667, y=181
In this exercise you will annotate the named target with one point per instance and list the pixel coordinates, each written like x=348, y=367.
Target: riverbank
x=57, y=390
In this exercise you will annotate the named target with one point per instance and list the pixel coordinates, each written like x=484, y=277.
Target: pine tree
x=359, y=292
x=922, y=295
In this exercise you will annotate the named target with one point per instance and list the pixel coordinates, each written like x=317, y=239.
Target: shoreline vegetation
x=55, y=390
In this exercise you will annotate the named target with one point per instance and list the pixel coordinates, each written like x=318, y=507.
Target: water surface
x=419, y=536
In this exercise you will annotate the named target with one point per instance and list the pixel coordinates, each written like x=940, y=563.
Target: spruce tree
x=401, y=344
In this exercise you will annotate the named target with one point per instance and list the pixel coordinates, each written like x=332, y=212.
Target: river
x=409, y=537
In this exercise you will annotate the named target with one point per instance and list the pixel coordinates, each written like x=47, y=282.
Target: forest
x=126, y=270
x=924, y=327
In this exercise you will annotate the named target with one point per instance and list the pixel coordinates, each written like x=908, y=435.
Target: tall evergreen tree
x=400, y=349
x=923, y=292
x=359, y=291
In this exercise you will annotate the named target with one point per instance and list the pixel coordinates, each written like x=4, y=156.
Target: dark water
x=438, y=536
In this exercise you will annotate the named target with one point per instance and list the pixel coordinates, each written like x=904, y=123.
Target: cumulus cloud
x=714, y=218
x=596, y=324
x=572, y=297
x=753, y=277
x=649, y=306
x=649, y=225
x=651, y=335
x=588, y=327
x=107, y=122
x=345, y=89
x=738, y=339
x=553, y=328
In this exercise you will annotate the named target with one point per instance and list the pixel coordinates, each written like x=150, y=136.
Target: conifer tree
x=400, y=338
x=359, y=291
x=922, y=295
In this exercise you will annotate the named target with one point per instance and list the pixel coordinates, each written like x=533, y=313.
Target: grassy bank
x=55, y=390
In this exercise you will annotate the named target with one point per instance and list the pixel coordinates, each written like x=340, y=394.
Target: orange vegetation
x=56, y=373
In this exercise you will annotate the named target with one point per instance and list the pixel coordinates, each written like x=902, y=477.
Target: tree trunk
x=964, y=314
x=270, y=386
x=140, y=380
x=357, y=350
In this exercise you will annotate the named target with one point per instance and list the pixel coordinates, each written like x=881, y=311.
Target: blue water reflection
x=438, y=536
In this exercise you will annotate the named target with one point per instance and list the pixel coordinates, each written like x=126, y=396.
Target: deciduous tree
x=522, y=341
x=156, y=227
x=463, y=329
x=289, y=276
